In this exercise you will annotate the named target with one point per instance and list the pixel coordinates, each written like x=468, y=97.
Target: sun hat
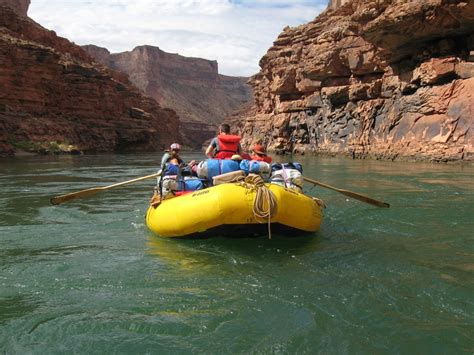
x=175, y=146
x=259, y=149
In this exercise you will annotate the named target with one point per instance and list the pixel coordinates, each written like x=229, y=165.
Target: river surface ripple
x=88, y=276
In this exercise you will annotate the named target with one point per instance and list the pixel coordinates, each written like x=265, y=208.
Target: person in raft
x=172, y=156
x=259, y=153
x=225, y=145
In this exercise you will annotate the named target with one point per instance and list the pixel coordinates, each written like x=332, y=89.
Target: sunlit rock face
x=388, y=79
x=54, y=98
x=191, y=86
x=334, y=4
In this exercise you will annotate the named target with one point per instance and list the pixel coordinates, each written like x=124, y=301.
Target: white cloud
x=236, y=33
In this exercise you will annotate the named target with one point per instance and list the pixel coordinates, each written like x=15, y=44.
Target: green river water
x=88, y=277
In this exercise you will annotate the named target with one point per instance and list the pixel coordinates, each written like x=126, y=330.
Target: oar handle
x=132, y=181
x=352, y=194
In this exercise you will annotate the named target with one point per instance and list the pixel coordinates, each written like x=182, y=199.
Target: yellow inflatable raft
x=228, y=210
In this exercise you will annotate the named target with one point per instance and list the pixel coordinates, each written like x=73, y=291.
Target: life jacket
x=228, y=145
x=170, y=169
x=264, y=158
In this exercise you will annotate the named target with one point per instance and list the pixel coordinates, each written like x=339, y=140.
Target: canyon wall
x=387, y=79
x=20, y=7
x=191, y=86
x=54, y=98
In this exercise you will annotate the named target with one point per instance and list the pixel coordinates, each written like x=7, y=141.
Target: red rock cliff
x=20, y=7
x=191, y=86
x=53, y=97
x=381, y=78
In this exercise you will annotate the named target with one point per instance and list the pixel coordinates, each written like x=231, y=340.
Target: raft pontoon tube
x=228, y=209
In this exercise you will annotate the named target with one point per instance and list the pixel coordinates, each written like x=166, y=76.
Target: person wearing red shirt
x=259, y=153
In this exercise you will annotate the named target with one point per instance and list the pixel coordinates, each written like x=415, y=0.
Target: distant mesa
x=191, y=86
x=100, y=54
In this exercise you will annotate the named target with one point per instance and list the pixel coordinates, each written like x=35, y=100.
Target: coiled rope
x=265, y=204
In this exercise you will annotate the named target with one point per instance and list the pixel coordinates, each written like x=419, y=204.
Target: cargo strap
x=265, y=204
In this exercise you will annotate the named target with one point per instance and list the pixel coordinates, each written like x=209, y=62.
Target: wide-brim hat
x=259, y=149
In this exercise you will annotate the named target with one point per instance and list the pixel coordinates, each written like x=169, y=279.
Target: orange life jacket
x=228, y=145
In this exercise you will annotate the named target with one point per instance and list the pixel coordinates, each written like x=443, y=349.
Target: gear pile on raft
x=176, y=181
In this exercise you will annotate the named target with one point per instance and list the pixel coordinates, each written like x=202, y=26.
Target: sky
x=236, y=33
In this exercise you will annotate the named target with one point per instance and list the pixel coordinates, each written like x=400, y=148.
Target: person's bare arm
x=210, y=151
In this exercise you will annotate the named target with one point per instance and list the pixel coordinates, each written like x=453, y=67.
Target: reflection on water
x=88, y=274
x=195, y=253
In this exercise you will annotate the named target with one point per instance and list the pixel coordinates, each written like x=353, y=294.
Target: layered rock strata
x=54, y=98
x=374, y=78
x=191, y=86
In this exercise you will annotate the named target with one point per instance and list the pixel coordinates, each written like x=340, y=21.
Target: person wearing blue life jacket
x=171, y=164
x=173, y=167
x=172, y=156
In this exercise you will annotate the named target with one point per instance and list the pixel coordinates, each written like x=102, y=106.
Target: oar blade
x=57, y=200
x=352, y=194
x=365, y=199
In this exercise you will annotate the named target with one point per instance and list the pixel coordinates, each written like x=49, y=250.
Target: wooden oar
x=350, y=194
x=92, y=191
